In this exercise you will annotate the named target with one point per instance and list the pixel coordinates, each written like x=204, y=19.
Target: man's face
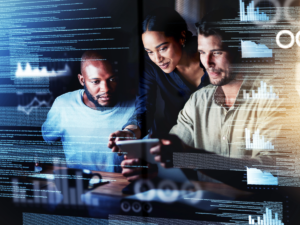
x=99, y=82
x=215, y=60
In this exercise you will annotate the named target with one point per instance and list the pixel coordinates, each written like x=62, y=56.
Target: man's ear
x=81, y=79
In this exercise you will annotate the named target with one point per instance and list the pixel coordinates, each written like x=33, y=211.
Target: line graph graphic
x=43, y=72
x=34, y=104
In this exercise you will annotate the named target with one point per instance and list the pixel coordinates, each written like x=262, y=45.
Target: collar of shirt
x=219, y=96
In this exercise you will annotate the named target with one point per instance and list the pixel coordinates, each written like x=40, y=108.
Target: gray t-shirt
x=84, y=131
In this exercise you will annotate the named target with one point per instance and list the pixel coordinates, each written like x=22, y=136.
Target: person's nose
x=104, y=86
x=208, y=60
x=158, y=57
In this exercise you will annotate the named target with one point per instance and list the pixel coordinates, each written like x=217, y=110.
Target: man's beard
x=97, y=105
x=223, y=81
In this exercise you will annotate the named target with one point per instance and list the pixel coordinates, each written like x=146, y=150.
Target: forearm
x=201, y=159
x=140, y=121
x=225, y=169
x=135, y=129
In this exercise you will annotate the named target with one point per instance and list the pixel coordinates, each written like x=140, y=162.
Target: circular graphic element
x=277, y=7
x=144, y=190
x=125, y=206
x=297, y=38
x=147, y=207
x=167, y=191
x=285, y=32
x=287, y=16
x=191, y=192
x=136, y=207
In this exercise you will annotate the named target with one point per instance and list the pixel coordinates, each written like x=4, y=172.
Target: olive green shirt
x=204, y=123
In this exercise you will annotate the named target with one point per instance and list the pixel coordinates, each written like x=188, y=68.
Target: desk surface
x=118, y=182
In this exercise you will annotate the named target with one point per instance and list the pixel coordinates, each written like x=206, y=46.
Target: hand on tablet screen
x=119, y=135
x=164, y=150
x=131, y=132
x=134, y=169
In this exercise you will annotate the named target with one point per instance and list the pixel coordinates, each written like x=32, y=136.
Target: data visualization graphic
x=259, y=177
x=267, y=219
x=43, y=72
x=252, y=50
x=251, y=14
x=242, y=212
x=258, y=141
x=262, y=93
x=34, y=104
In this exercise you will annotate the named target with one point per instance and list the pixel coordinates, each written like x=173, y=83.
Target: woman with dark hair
x=172, y=65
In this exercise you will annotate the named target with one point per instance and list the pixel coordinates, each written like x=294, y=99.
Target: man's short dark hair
x=116, y=63
x=220, y=22
x=90, y=56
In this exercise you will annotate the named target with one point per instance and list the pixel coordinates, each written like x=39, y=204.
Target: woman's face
x=163, y=51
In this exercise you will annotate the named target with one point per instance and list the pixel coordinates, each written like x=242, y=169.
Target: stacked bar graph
x=267, y=219
x=262, y=93
x=251, y=14
x=258, y=142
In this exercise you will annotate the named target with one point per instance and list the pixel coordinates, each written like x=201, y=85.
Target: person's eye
x=113, y=79
x=217, y=53
x=201, y=53
x=163, y=49
x=149, y=52
x=95, y=82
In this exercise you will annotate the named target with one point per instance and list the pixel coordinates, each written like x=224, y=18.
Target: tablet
x=138, y=148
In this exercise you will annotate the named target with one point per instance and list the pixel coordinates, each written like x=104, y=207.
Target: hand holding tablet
x=138, y=148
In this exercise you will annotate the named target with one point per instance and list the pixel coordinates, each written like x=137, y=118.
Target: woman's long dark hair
x=170, y=22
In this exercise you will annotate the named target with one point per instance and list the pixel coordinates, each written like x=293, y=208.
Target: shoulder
x=202, y=97
x=68, y=98
x=204, y=94
x=128, y=102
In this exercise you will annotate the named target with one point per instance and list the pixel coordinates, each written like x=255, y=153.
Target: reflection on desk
x=152, y=198
x=47, y=192
x=115, y=186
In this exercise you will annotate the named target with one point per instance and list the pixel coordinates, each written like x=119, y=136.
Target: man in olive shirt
x=220, y=118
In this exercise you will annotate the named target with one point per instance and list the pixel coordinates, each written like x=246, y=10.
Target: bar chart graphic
x=251, y=14
x=262, y=93
x=267, y=219
x=245, y=212
x=258, y=141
